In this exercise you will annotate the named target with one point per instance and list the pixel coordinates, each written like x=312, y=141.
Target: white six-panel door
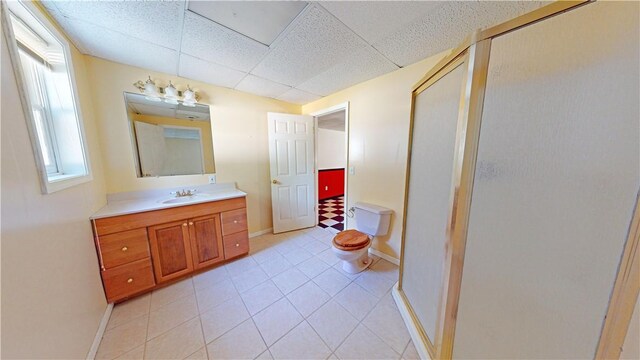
x=292, y=171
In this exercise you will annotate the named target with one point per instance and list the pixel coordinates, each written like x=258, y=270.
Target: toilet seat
x=351, y=240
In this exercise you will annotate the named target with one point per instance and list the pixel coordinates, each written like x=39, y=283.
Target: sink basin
x=186, y=199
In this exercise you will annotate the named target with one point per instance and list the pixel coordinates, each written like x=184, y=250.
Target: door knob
x=275, y=181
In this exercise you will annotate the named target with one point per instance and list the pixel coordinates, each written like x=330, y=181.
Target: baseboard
x=101, y=329
x=384, y=256
x=261, y=232
x=421, y=347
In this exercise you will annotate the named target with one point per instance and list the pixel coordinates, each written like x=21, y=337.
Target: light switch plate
x=212, y=179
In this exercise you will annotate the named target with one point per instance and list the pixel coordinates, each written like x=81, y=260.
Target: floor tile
x=210, y=277
x=312, y=267
x=290, y=280
x=176, y=343
x=243, y=342
x=410, y=353
x=198, y=355
x=275, y=265
x=385, y=268
x=171, y=293
x=215, y=295
x=129, y=310
x=265, y=255
x=377, y=284
x=308, y=298
x=240, y=266
x=331, y=281
x=297, y=256
x=356, y=300
x=286, y=247
x=123, y=338
x=135, y=354
x=222, y=318
x=261, y=296
x=276, y=320
x=333, y=323
x=329, y=257
x=339, y=266
x=249, y=279
x=363, y=344
x=265, y=356
x=300, y=343
x=301, y=239
x=318, y=233
x=171, y=315
x=386, y=322
x=315, y=246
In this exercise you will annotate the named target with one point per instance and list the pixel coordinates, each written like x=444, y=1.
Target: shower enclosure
x=522, y=188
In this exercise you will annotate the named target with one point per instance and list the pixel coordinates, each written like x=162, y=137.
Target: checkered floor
x=331, y=213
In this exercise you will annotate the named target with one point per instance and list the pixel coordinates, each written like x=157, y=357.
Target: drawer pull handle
x=237, y=245
x=185, y=224
x=235, y=221
x=129, y=280
x=124, y=248
x=190, y=223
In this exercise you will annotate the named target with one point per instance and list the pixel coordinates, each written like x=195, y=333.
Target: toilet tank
x=372, y=219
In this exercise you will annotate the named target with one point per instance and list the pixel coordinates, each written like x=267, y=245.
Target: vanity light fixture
x=170, y=93
x=149, y=89
x=189, y=97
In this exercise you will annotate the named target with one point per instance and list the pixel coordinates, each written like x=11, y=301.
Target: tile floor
x=331, y=213
x=289, y=299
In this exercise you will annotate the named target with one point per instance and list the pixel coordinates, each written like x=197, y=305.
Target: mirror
x=169, y=139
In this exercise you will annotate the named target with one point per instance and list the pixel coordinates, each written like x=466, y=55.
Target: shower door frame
x=474, y=52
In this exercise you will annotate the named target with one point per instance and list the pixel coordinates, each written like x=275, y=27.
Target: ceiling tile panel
x=100, y=42
x=263, y=87
x=313, y=44
x=298, y=96
x=200, y=70
x=262, y=21
x=359, y=66
x=153, y=21
x=207, y=40
x=375, y=20
x=445, y=27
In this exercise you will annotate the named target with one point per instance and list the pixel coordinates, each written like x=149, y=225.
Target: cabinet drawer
x=234, y=221
x=128, y=279
x=123, y=247
x=236, y=244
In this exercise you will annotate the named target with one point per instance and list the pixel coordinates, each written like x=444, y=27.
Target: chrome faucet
x=184, y=192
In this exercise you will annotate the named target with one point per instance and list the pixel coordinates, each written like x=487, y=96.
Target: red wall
x=330, y=183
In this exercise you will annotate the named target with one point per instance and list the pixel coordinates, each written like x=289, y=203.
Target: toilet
x=352, y=246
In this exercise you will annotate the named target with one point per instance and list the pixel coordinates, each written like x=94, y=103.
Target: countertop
x=149, y=200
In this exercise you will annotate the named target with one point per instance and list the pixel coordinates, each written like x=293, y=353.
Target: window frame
x=49, y=182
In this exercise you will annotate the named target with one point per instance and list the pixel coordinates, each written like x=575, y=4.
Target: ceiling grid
x=292, y=51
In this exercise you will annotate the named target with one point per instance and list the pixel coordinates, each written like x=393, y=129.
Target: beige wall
x=52, y=297
x=239, y=123
x=379, y=112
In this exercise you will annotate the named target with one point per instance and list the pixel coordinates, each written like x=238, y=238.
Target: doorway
x=331, y=135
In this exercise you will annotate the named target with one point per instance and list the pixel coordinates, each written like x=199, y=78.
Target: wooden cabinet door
x=206, y=240
x=171, y=250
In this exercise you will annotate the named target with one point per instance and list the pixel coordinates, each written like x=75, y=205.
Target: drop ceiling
x=292, y=51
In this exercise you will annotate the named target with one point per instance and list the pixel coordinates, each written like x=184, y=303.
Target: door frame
x=330, y=110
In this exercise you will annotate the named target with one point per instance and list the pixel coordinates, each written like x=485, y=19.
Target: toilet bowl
x=352, y=246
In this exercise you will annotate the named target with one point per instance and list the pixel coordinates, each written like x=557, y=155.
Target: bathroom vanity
x=146, y=239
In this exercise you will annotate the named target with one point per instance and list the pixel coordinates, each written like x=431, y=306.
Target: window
x=41, y=55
